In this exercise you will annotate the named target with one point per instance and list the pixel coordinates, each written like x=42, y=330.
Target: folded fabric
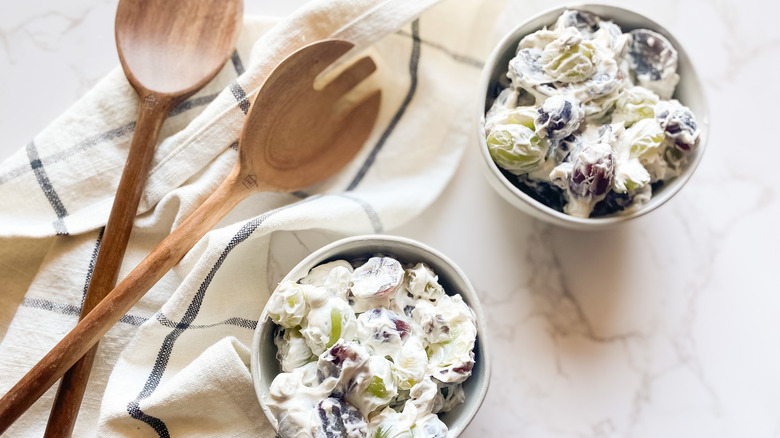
x=177, y=363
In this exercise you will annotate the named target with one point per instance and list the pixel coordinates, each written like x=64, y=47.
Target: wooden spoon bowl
x=294, y=136
x=173, y=48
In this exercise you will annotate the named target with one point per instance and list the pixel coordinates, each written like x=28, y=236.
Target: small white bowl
x=265, y=366
x=689, y=92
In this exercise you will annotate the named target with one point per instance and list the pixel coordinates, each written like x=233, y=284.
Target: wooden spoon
x=168, y=50
x=292, y=138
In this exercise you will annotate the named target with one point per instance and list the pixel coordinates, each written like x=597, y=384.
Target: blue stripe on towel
x=164, y=355
x=48, y=189
x=69, y=309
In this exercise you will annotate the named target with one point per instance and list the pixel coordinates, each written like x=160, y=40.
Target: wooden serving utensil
x=168, y=50
x=292, y=139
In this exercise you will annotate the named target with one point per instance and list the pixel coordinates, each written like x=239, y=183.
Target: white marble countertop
x=667, y=326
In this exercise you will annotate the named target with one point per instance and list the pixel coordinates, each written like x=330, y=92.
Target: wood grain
x=168, y=51
x=292, y=138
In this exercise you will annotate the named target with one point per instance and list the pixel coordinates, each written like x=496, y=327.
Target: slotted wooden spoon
x=168, y=51
x=292, y=139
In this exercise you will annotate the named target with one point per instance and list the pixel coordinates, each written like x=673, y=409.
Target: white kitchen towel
x=177, y=363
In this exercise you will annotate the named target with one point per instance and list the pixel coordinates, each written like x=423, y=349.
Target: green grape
x=410, y=364
x=634, y=104
x=644, y=137
x=516, y=148
x=376, y=387
x=630, y=176
x=539, y=38
x=675, y=158
x=523, y=115
x=292, y=350
x=639, y=145
x=287, y=305
x=421, y=282
x=569, y=58
x=335, y=327
x=632, y=185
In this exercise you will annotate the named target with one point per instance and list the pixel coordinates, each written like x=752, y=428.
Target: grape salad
x=371, y=351
x=586, y=123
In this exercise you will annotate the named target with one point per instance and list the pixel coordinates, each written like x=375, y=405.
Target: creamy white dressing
x=374, y=351
x=585, y=76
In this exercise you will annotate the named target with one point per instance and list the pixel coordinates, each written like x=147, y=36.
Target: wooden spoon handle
x=95, y=324
x=112, y=250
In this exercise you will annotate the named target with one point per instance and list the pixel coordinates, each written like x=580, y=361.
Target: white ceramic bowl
x=689, y=92
x=265, y=366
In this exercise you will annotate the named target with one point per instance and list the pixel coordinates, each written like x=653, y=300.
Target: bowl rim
x=540, y=210
x=320, y=255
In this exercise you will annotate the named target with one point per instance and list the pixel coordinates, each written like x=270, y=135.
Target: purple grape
x=586, y=22
x=527, y=67
x=341, y=361
x=335, y=418
x=558, y=117
x=401, y=327
x=612, y=203
x=378, y=277
x=594, y=170
x=651, y=55
x=678, y=124
x=543, y=192
x=432, y=427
